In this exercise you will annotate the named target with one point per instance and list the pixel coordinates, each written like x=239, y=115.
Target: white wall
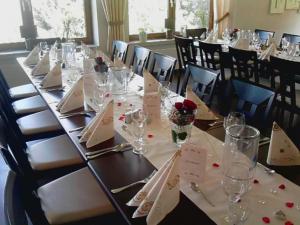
x=251, y=14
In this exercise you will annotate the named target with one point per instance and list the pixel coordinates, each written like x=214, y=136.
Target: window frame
x=21, y=45
x=171, y=17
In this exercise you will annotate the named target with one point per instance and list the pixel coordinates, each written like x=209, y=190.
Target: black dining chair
x=162, y=66
x=255, y=101
x=199, y=33
x=210, y=55
x=292, y=38
x=264, y=34
x=244, y=64
x=289, y=75
x=119, y=50
x=202, y=80
x=139, y=59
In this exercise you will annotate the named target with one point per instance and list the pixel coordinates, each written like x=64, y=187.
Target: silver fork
x=144, y=181
x=84, y=113
x=89, y=157
x=119, y=146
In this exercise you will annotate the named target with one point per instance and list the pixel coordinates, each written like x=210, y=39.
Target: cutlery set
x=80, y=113
x=118, y=148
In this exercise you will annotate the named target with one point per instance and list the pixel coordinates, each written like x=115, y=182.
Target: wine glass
x=43, y=48
x=234, y=118
x=139, y=119
x=100, y=91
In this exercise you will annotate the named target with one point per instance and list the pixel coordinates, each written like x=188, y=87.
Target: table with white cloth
x=119, y=169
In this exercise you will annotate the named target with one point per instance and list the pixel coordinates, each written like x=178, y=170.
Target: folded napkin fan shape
x=33, y=57
x=265, y=55
x=73, y=99
x=100, y=129
x=161, y=194
x=53, y=78
x=43, y=66
x=282, y=151
x=203, y=112
x=150, y=83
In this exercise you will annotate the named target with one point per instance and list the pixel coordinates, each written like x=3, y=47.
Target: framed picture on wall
x=277, y=6
x=292, y=4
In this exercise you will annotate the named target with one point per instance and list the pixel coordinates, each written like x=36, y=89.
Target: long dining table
x=118, y=169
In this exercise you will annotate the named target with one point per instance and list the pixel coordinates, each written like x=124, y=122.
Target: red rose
x=178, y=105
x=189, y=105
x=99, y=60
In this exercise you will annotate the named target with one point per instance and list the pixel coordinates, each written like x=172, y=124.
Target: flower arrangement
x=100, y=65
x=183, y=113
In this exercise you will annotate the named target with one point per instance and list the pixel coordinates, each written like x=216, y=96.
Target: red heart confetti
x=150, y=135
x=289, y=204
x=216, y=165
x=130, y=105
x=255, y=181
x=281, y=186
x=122, y=117
x=288, y=223
x=107, y=95
x=266, y=219
x=119, y=104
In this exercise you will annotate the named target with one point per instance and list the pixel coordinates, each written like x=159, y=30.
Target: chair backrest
x=264, y=34
x=289, y=73
x=210, y=55
x=5, y=87
x=162, y=66
x=140, y=59
x=202, y=80
x=292, y=38
x=186, y=51
x=244, y=64
x=199, y=33
x=119, y=50
x=255, y=101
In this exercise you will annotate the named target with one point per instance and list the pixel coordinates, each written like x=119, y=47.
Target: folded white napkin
x=119, y=63
x=53, y=78
x=282, y=151
x=150, y=83
x=100, y=129
x=73, y=99
x=242, y=43
x=265, y=55
x=33, y=57
x=203, y=112
x=88, y=65
x=151, y=105
x=161, y=194
x=43, y=66
x=210, y=38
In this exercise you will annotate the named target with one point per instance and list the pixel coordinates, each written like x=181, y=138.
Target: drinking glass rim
x=255, y=135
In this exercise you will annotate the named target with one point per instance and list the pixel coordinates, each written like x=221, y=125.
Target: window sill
x=13, y=52
x=154, y=42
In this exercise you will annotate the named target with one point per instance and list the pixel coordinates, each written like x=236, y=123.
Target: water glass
x=234, y=118
x=239, y=158
x=43, y=47
x=238, y=210
x=139, y=129
x=68, y=53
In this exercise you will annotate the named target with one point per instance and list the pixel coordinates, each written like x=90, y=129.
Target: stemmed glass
x=285, y=44
x=100, y=92
x=139, y=119
x=234, y=118
x=43, y=48
x=164, y=94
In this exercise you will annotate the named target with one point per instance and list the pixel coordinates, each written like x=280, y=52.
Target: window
x=52, y=18
x=191, y=13
x=147, y=15
x=151, y=16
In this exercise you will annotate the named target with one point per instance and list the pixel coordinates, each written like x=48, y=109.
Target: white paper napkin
x=100, y=129
x=43, y=66
x=119, y=63
x=74, y=99
x=161, y=194
x=53, y=78
x=150, y=83
x=265, y=55
x=151, y=105
x=33, y=57
x=282, y=151
x=203, y=112
x=210, y=38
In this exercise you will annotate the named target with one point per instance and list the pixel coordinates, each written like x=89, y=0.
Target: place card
x=193, y=163
x=151, y=106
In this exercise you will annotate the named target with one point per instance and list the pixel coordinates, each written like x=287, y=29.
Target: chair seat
x=39, y=122
x=22, y=91
x=73, y=197
x=53, y=153
x=29, y=105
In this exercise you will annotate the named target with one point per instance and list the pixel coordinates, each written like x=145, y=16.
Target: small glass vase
x=181, y=133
